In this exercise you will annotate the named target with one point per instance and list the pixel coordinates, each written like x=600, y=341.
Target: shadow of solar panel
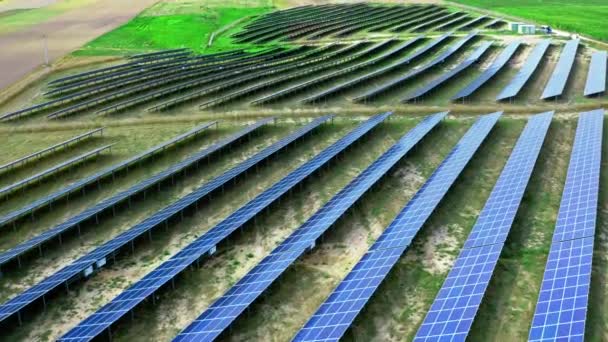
x=340, y=309
x=490, y=72
x=526, y=71
x=227, y=308
x=562, y=303
x=141, y=290
x=556, y=84
x=596, y=78
x=86, y=265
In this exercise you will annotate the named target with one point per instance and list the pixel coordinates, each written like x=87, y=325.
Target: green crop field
x=586, y=17
x=174, y=25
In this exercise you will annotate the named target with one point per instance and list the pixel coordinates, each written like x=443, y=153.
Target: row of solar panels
x=344, y=20
x=203, y=80
x=49, y=150
x=455, y=307
x=103, y=175
x=117, y=81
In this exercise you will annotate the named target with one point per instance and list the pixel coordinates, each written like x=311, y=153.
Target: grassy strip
x=585, y=17
x=168, y=31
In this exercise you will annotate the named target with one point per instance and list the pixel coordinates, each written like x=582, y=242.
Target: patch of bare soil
x=65, y=33
x=11, y=5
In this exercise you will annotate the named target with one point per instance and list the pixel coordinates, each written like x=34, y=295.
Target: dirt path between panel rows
x=22, y=51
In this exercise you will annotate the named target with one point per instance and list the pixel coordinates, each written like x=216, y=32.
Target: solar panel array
x=453, y=310
x=473, y=22
x=376, y=73
x=52, y=170
x=490, y=72
x=596, y=78
x=141, y=290
x=76, y=221
x=557, y=82
x=562, y=302
x=343, y=71
x=50, y=149
x=299, y=73
x=227, y=308
x=97, y=258
x=467, y=63
x=526, y=71
x=337, y=313
x=97, y=177
x=435, y=61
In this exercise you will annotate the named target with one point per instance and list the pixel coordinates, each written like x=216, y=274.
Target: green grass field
x=586, y=17
x=175, y=25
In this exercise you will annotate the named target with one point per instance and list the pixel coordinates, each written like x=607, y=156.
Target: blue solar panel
x=490, y=72
x=108, y=172
x=468, y=62
x=400, y=63
x=453, y=311
x=341, y=71
x=596, y=78
x=557, y=82
x=75, y=221
x=419, y=70
x=52, y=170
x=524, y=74
x=340, y=309
x=562, y=302
x=97, y=258
x=227, y=308
x=51, y=149
x=141, y=290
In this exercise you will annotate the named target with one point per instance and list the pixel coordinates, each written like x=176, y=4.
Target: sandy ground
x=10, y=5
x=65, y=32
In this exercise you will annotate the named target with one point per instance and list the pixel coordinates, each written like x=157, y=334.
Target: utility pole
x=46, y=50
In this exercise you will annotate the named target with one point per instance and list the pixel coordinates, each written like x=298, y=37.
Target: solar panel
x=247, y=74
x=108, y=172
x=596, y=78
x=349, y=69
x=454, y=309
x=226, y=309
x=337, y=313
x=562, y=302
x=315, y=67
x=81, y=218
x=490, y=72
x=412, y=23
x=435, y=61
x=427, y=24
x=557, y=82
x=50, y=149
x=141, y=290
x=87, y=264
x=452, y=22
x=473, y=22
x=5, y=191
x=401, y=63
x=468, y=62
x=526, y=71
